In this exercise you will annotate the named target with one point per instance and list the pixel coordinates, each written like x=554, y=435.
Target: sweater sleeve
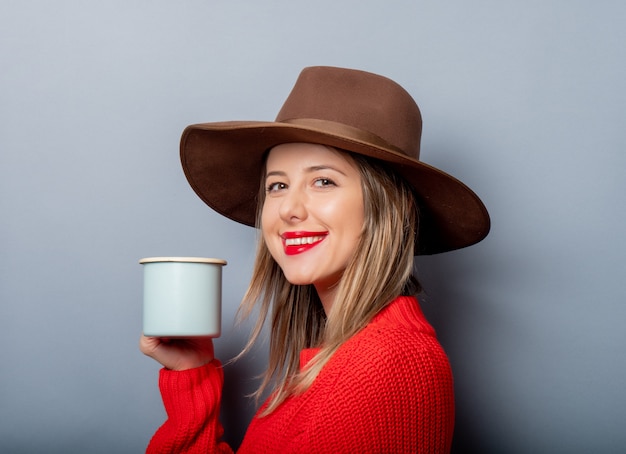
x=192, y=403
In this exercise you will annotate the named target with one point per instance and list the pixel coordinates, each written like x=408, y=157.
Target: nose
x=293, y=206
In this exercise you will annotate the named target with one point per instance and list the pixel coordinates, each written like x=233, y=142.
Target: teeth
x=302, y=240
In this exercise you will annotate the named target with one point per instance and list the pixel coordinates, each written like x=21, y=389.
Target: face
x=313, y=213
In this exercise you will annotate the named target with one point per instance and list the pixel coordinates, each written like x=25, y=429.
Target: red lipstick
x=298, y=242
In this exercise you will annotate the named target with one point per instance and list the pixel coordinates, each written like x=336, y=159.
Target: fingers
x=178, y=354
x=148, y=345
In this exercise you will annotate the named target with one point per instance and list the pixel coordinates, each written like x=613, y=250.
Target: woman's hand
x=178, y=354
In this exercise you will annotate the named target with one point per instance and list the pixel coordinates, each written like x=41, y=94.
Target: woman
x=344, y=206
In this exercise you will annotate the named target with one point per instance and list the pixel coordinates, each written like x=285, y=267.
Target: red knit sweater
x=386, y=390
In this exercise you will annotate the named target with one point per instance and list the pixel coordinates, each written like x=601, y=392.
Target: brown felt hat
x=352, y=110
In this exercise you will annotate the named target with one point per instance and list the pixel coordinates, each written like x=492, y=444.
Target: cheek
x=346, y=214
x=268, y=231
x=267, y=217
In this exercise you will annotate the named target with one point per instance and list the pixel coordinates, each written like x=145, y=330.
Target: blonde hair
x=380, y=270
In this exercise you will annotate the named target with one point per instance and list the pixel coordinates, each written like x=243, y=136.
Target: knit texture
x=386, y=390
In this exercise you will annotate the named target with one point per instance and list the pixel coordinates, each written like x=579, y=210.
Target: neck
x=327, y=296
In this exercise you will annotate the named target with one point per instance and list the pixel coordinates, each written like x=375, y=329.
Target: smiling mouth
x=298, y=242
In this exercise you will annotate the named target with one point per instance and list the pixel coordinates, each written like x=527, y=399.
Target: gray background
x=524, y=101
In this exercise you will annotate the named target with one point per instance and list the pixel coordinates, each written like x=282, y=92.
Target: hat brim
x=222, y=162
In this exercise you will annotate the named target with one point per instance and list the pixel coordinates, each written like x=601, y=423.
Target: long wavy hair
x=379, y=271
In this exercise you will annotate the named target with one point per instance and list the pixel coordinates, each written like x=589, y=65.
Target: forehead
x=307, y=154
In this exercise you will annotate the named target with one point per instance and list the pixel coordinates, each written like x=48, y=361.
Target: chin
x=298, y=280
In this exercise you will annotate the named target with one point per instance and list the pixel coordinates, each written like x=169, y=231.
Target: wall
x=524, y=101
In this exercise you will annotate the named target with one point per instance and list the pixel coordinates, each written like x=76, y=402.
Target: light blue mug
x=182, y=296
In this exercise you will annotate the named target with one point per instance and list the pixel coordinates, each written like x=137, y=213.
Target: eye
x=273, y=187
x=323, y=182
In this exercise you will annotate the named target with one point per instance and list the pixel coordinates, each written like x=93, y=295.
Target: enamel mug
x=182, y=296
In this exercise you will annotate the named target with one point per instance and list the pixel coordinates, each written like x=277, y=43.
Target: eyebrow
x=307, y=170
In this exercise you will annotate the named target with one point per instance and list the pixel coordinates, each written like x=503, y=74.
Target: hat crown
x=358, y=99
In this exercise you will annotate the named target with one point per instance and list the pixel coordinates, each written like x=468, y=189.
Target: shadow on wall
x=237, y=409
x=470, y=328
x=241, y=379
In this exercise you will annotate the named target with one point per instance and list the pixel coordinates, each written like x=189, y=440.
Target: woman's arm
x=191, y=386
x=192, y=402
